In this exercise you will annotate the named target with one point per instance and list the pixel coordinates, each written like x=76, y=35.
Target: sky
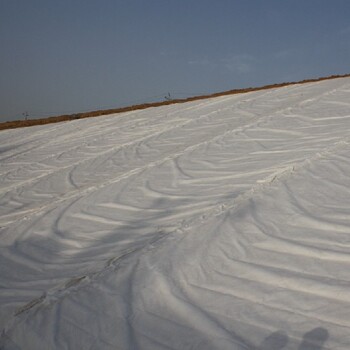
x=69, y=56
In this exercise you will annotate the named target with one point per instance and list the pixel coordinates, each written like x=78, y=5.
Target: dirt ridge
x=69, y=117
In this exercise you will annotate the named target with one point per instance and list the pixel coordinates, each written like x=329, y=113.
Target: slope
x=214, y=224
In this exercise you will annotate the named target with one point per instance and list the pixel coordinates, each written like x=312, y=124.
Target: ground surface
x=215, y=224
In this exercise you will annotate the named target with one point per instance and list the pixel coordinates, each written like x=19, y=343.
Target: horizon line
x=97, y=113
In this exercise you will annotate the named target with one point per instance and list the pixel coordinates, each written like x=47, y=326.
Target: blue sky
x=68, y=56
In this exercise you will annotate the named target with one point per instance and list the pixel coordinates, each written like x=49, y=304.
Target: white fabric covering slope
x=217, y=224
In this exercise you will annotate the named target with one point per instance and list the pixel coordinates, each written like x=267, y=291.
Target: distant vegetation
x=168, y=101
